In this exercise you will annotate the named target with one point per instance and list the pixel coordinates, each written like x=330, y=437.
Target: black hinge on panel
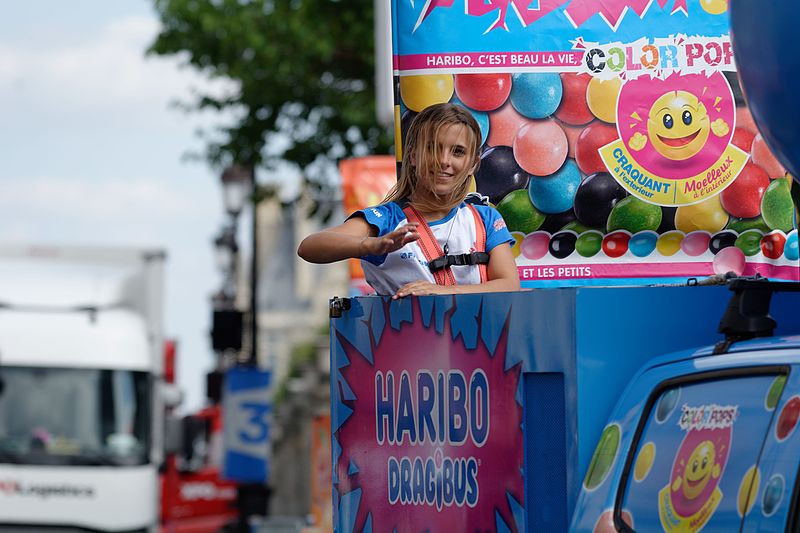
x=337, y=306
x=747, y=315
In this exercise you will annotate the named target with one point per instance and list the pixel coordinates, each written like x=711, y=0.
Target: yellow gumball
x=644, y=461
x=601, y=96
x=748, y=490
x=472, y=187
x=419, y=92
x=669, y=243
x=518, y=236
x=714, y=7
x=708, y=216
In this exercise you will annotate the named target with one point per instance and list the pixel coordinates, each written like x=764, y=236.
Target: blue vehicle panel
x=700, y=442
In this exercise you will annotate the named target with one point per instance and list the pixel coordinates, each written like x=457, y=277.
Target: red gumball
x=595, y=136
x=483, y=92
x=772, y=244
x=787, y=420
x=763, y=157
x=743, y=197
x=504, y=125
x=743, y=139
x=573, y=109
x=615, y=244
x=540, y=147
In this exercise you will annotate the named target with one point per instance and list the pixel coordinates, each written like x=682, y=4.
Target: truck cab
x=81, y=390
x=701, y=439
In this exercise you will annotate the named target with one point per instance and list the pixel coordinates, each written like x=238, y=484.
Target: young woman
x=424, y=238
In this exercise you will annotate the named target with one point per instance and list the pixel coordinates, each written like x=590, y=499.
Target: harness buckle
x=474, y=258
x=440, y=263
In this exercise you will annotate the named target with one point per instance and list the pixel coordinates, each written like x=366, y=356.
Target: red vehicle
x=194, y=497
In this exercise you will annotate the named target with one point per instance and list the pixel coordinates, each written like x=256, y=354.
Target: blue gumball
x=555, y=193
x=792, y=248
x=643, y=243
x=536, y=94
x=773, y=494
x=758, y=32
x=666, y=405
x=480, y=117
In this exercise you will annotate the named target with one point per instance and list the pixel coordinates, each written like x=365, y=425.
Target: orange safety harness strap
x=440, y=263
x=429, y=245
x=480, y=241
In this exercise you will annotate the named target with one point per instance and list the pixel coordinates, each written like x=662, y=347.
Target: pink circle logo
x=698, y=468
x=678, y=126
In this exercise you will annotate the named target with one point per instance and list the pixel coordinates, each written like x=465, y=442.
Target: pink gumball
x=572, y=132
x=762, y=156
x=696, y=243
x=534, y=245
x=541, y=147
x=745, y=120
x=504, y=125
x=730, y=259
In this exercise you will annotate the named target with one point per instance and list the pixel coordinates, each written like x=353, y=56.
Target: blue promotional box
x=481, y=412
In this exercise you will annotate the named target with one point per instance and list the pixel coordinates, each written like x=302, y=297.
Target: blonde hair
x=421, y=142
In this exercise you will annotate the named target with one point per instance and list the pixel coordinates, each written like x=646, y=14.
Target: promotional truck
x=82, y=396
x=496, y=412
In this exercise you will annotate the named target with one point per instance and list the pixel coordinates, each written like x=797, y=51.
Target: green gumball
x=777, y=207
x=634, y=215
x=749, y=242
x=589, y=243
x=519, y=213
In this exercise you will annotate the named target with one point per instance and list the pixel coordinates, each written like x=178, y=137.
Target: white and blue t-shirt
x=387, y=273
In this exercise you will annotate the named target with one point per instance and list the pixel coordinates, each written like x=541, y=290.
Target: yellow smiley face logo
x=678, y=125
x=700, y=468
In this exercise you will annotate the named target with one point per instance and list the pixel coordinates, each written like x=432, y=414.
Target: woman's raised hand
x=390, y=242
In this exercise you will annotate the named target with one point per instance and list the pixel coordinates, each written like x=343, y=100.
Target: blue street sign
x=247, y=415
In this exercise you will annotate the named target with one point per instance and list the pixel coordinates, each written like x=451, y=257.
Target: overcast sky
x=91, y=152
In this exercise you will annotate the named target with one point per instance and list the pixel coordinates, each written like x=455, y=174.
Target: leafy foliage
x=304, y=72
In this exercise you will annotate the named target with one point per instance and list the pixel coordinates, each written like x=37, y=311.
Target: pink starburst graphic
x=450, y=453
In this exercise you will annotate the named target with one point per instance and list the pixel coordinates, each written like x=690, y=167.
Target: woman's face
x=449, y=162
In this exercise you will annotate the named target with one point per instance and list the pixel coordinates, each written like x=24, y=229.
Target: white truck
x=82, y=395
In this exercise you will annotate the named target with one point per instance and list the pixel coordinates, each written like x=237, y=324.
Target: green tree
x=304, y=73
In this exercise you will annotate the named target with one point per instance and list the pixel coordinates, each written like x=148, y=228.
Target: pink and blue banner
x=616, y=141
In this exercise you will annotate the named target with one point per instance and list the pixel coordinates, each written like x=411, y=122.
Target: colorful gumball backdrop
x=540, y=166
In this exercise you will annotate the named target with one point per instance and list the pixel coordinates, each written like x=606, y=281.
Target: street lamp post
x=226, y=253
x=237, y=182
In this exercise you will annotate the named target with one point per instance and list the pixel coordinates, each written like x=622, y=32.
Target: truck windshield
x=67, y=416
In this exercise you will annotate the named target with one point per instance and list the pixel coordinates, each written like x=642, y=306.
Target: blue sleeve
x=496, y=230
x=385, y=217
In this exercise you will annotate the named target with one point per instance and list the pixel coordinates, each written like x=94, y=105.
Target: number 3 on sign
x=257, y=430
